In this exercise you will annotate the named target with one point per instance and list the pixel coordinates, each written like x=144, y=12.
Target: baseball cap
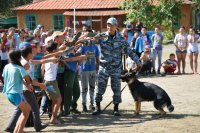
x=57, y=33
x=33, y=45
x=24, y=44
x=47, y=40
x=39, y=26
x=112, y=21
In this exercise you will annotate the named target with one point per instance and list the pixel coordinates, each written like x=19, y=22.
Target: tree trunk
x=172, y=28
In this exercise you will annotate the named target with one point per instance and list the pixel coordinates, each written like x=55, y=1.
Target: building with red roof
x=57, y=14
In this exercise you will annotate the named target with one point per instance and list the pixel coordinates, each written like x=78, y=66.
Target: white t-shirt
x=181, y=40
x=193, y=46
x=4, y=55
x=50, y=71
x=130, y=63
x=144, y=40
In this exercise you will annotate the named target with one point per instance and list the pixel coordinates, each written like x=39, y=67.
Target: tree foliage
x=163, y=12
x=6, y=6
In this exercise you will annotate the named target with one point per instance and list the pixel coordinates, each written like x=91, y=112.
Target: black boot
x=85, y=108
x=97, y=110
x=116, y=111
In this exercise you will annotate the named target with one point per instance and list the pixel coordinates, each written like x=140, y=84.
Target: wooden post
x=101, y=24
x=91, y=22
x=74, y=19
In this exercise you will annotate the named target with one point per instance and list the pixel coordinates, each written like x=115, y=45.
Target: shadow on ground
x=102, y=122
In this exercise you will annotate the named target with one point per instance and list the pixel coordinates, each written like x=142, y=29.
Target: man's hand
x=42, y=86
x=139, y=66
x=29, y=87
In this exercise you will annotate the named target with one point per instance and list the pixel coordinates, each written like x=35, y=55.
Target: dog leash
x=112, y=101
x=139, y=69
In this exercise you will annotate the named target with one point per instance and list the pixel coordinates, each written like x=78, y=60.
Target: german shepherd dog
x=143, y=91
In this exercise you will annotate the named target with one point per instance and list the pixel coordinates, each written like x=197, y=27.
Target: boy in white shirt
x=52, y=91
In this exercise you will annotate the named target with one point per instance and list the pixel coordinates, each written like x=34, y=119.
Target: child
x=89, y=69
x=52, y=91
x=146, y=59
x=13, y=88
x=27, y=52
x=170, y=64
x=157, y=40
x=5, y=47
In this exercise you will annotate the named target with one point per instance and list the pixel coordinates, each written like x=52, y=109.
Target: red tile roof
x=70, y=4
x=95, y=13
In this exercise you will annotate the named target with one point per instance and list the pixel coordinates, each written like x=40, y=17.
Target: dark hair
x=29, y=38
x=26, y=51
x=158, y=27
x=172, y=54
x=191, y=27
x=21, y=30
x=182, y=27
x=144, y=27
x=15, y=56
x=11, y=28
x=51, y=47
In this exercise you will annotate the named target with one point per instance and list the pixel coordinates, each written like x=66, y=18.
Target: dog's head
x=128, y=76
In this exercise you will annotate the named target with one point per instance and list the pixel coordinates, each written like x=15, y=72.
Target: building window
x=197, y=19
x=58, y=22
x=31, y=21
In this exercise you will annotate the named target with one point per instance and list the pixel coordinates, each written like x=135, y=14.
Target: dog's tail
x=169, y=105
x=170, y=108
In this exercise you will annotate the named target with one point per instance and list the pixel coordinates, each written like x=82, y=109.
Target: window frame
x=53, y=24
x=26, y=22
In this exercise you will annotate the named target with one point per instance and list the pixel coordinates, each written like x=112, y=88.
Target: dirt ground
x=184, y=91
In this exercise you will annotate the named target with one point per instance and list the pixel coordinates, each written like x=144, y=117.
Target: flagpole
x=74, y=18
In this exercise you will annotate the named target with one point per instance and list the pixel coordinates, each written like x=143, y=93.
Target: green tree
x=6, y=6
x=139, y=10
x=165, y=11
x=171, y=13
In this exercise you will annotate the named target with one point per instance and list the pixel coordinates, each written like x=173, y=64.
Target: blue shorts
x=183, y=52
x=192, y=52
x=15, y=98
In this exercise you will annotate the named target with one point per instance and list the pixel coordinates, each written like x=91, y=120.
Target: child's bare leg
x=25, y=108
x=55, y=108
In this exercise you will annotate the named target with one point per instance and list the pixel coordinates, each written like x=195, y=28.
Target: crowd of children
x=148, y=48
x=45, y=65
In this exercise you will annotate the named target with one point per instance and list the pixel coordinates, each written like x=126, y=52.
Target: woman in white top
x=181, y=44
x=193, y=49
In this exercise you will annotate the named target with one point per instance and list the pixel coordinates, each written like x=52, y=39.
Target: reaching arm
x=77, y=58
x=42, y=61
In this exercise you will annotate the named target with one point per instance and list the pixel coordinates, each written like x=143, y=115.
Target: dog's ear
x=133, y=72
x=123, y=72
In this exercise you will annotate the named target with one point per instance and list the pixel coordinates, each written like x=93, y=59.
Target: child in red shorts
x=170, y=64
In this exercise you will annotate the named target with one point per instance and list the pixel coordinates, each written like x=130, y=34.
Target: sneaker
x=85, y=108
x=61, y=114
x=116, y=113
x=42, y=113
x=75, y=111
x=92, y=107
x=9, y=130
x=96, y=112
x=158, y=72
x=153, y=72
x=49, y=114
x=43, y=126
